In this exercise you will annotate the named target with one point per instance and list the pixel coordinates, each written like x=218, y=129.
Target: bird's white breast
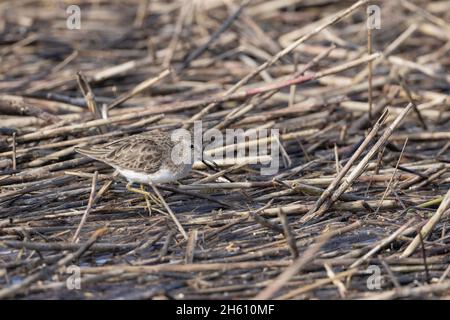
x=163, y=175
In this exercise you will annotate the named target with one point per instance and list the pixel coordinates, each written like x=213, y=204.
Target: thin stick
x=172, y=215
x=405, y=88
x=141, y=13
x=319, y=283
x=424, y=257
x=265, y=222
x=386, y=191
x=292, y=89
x=428, y=227
x=89, y=96
x=445, y=274
x=14, y=151
x=290, y=239
x=338, y=283
x=369, y=52
x=190, y=248
x=75, y=238
x=391, y=274
x=139, y=88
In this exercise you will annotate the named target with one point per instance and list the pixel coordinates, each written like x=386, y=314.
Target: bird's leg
x=147, y=201
x=130, y=188
x=143, y=192
x=152, y=196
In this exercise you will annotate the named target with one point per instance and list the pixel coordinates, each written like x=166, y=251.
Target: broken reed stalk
x=14, y=151
x=144, y=85
x=315, y=285
x=349, y=163
x=11, y=104
x=388, y=190
x=428, y=227
x=338, y=283
x=89, y=96
x=190, y=247
x=359, y=169
x=92, y=196
x=405, y=88
x=424, y=290
x=48, y=133
x=290, y=240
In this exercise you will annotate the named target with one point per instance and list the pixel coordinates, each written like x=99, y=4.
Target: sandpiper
x=148, y=158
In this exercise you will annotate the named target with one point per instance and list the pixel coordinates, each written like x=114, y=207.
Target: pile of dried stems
x=358, y=209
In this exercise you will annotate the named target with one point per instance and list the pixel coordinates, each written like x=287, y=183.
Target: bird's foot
x=147, y=195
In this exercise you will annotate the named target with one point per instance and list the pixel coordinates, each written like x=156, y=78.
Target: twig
x=190, y=248
x=172, y=215
x=428, y=227
x=14, y=152
x=92, y=196
x=139, y=88
x=290, y=239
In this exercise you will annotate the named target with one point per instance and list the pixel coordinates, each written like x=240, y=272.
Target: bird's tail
x=90, y=152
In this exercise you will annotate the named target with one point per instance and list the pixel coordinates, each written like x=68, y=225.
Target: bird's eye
x=192, y=146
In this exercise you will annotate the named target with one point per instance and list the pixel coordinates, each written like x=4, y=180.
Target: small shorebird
x=147, y=158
